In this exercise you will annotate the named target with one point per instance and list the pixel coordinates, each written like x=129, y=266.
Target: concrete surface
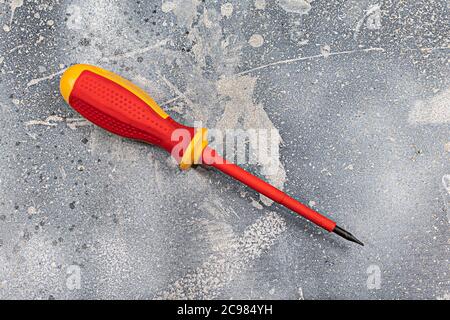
x=358, y=91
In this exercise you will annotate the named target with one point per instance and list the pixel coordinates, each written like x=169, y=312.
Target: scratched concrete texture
x=357, y=93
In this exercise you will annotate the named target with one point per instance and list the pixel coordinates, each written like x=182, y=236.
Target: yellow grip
x=71, y=75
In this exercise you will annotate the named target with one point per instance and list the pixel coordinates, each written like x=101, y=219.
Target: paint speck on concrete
x=446, y=183
x=300, y=294
x=51, y=121
x=260, y=4
x=256, y=40
x=226, y=9
x=447, y=147
x=51, y=76
x=296, y=6
x=445, y=296
x=168, y=6
x=325, y=50
x=184, y=10
x=349, y=167
x=257, y=205
x=14, y=5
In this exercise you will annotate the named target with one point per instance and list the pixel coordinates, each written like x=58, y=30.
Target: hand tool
x=119, y=106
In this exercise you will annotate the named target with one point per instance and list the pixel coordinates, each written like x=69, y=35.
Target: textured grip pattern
x=109, y=123
x=116, y=109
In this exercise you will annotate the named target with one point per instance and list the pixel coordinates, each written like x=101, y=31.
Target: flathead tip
x=347, y=235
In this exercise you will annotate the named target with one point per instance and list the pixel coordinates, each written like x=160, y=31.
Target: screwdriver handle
x=120, y=107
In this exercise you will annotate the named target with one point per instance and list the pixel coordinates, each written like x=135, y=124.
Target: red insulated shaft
x=212, y=158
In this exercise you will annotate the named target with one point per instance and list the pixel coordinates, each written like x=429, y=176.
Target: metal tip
x=346, y=235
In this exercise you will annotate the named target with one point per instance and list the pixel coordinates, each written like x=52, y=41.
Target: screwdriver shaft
x=212, y=158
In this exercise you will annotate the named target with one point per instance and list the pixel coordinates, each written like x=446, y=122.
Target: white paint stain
x=257, y=205
x=447, y=147
x=104, y=19
x=184, y=10
x=226, y=9
x=206, y=21
x=49, y=121
x=14, y=5
x=52, y=121
x=35, y=81
x=16, y=48
x=222, y=267
x=446, y=296
x=296, y=6
x=432, y=111
x=75, y=123
x=300, y=294
x=39, y=40
x=317, y=56
x=260, y=4
x=372, y=17
x=446, y=196
x=349, y=167
x=446, y=183
x=256, y=40
x=325, y=50
x=75, y=17
x=168, y=6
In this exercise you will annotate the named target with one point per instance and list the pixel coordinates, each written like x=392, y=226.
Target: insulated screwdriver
x=119, y=106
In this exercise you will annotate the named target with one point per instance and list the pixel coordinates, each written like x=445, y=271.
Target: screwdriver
x=119, y=106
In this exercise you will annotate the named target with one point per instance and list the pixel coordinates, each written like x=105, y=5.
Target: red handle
x=116, y=109
x=115, y=104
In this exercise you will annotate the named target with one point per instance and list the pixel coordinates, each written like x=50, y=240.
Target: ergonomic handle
x=119, y=106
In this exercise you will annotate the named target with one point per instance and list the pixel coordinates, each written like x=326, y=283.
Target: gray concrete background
x=358, y=91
